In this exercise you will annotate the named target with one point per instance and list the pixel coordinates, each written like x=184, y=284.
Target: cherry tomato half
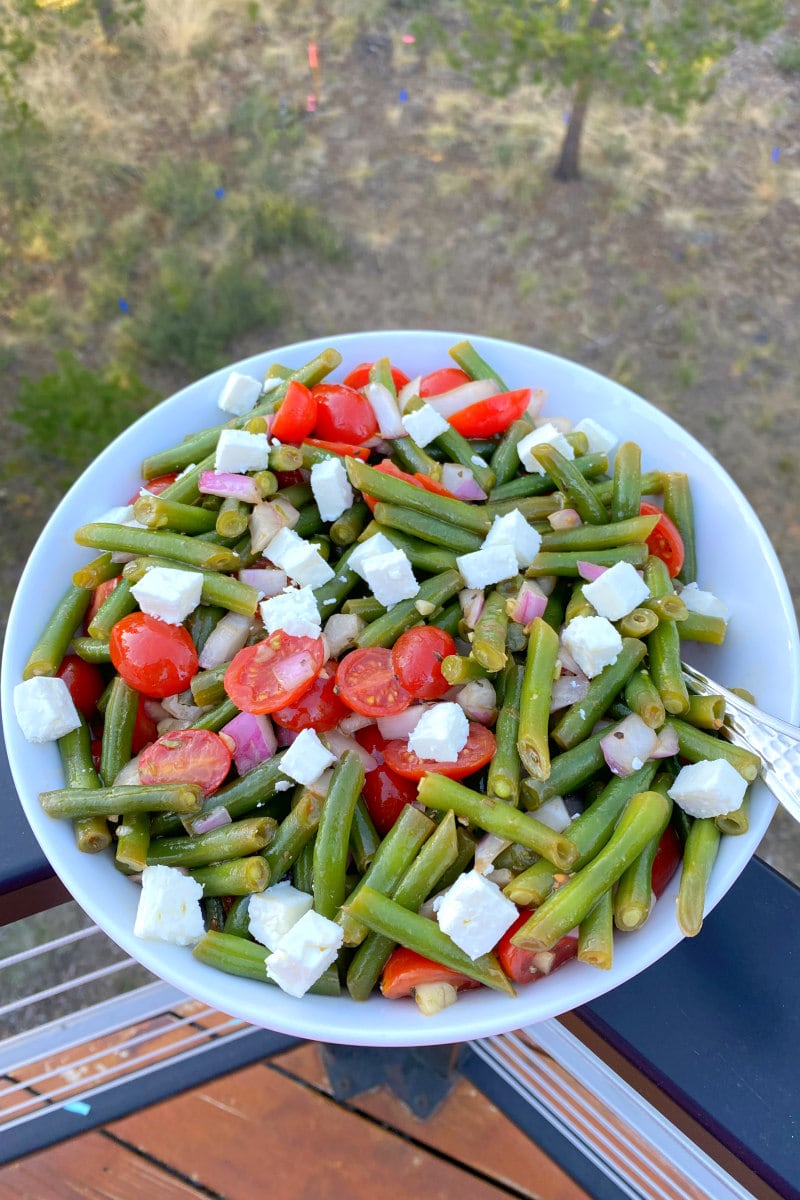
x=667, y=860
x=385, y=792
x=273, y=673
x=665, y=542
x=346, y=449
x=441, y=381
x=417, y=660
x=153, y=657
x=99, y=597
x=368, y=685
x=85, y=682
x=418, y=480
x=343, y=414
x=406, y=970
x=186, y=756
x=145, y=729
x=318, y=708
x=478, y=751
x=359, y=376
x=521, y=965
x=155, y=486
x=491, y=416
x=297, y=414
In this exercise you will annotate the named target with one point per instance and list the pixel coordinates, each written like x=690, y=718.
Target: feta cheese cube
x=617, y=591
x=475, y=914
x=546, y=434
x=301, y=561
x=375, y=545
x=425, y=424
x=239, y=451
x=709, y=788
x=390, y=577
x=700, y=601
x=239, y=393
x=169, y=907
x=601, y=440
x=331, y=488
x=306, y=758
x=44, y=708
x=490, y=564
x=440, y=733
x=304, y=953
x=593, y=642
x=272, y=913
x=168, y=593
x=294, y=610
x=513, y=530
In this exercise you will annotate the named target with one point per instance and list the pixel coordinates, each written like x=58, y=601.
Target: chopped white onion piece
x=564, y=518
x=226, y=639
x=269, y=581
x=449, y=403
x=566, y=690
x=461, y=482
x=387, y=412
x=254, y=740
x=339, y=743
x=479, y=701
x=628, y=745
x=402, y=724
x=409, y=392
x=471, y=601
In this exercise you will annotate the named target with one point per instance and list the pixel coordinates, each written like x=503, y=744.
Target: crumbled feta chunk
x=703, y=602
x=513, y=530
x=304, y=953
x=239, y=393
x=169, y=907
x=544, y=435
x=617, y=591
x=331, y=488
x=601, y=440
x=272, y=913
x=294, y=610
x=377, y=544
x=440, y=733
x=475, y=914
x=168, y=593
x=306, y=758
x=593, y=642
x=44, y=708
x=390, y=577
x=239, y=451
x=425, y=424
x=709, y=788
x=490, y=564
x=301, y=561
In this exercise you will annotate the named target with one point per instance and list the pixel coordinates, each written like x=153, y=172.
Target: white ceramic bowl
x=736, y=562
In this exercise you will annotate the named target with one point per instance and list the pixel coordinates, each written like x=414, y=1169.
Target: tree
x=663, y=53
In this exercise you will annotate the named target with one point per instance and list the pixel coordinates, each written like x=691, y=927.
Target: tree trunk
x=567, y=168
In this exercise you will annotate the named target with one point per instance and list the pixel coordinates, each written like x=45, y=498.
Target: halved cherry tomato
x=343, y=414
x=297, y=414
x=385, y=793
x=667, y=860
x=99, y=596
x=491, y=416
x=520, y=965
x=290, y=478
x=443, y=380
x=84, y=681
x=318, y=708
x=156, y=485
x=186, y=756
x=359, y=376
x=665, y=542
x=417, y=659
x=145, y=729
x=153, y=657
x=478, y=751
x=418, y=479
x=406, y=970
x=273, y=673
x=368, y=685
x=344, y=448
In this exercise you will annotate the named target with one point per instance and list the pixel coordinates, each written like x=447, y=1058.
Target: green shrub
x=279, y=222
x=787, y=58
x=182, y=191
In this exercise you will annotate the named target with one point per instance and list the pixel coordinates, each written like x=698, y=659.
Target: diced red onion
x=568, y=664
x=387, y=412
x=529, y=603
x=226, y=639
x=295, y=669
x=215, y=819
x=487, y=850
x=284, y=736
x=339, y=743
x=564, y=518
x=536, y=403
x=354, y=722
x=449, y=403
x=174, y=706
x=589, y=571
x=320, y=786
x=402, y=724
x=479, y=701
x=225, y=483
x=154, y=709
x=265, y=522
x=471, y=601
x=461, y=482
x=566, y=690
x=129, y=775
x=666, y=743
x=269, y=581
x=254, y=739
x=409, y=392
x=628, y=745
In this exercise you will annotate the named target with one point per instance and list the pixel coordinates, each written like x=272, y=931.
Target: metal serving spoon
x=775, y=741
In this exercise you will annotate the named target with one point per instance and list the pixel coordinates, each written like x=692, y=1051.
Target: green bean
x=157, y=513
x=120, y=717
x=468, y=358
x=465, y=855
x=565, y=562
x=241, y=796
x=581, y=717
x=505, y=768
x=234, y=877
x=596, y=934
x=309, y=521
x=633, y=896
x=393, y=858
x=437, y=854
x=642, y=697
x=646, y=813
x=601, y=537
x=698, y=627
x=457, y=449
x=364, y=837
x=331, y=595
x=232, y=517
x=92, y=834
x=237, y=956
x=74, y=803
x=389, y=918
x=699, y=856
x=295, y=830
x=535, y=509
x=578, y=605
x=394, y=491
x=46, y=656
x=667, y=608
x=497, y=817
x=353, y=521
x=457, y=668
x=505, y=460
x=213, y=914
x=237, y=922
x=386, y=629
x=664, y=644
x=534, y=705
x=679, y=508
x=185, y=488
x=695, y=745
x=736, y=822
x=706, y=712
x=568, y=772
x=117, y=604
x=489, y=642
x=207, y=686
x=98, y=571
x=572, y=483
x=366, y=607
x=202, y=622
x=428, y=527
x=303, y=873
x=267, y=483
x=652, y=485
x=447, y=618
x=538, y=485
x=626, y=495
x=177, y=546
x=554, y=609
x=91, y=649
x=333, y=837
x=413, y=458
x=235, y=840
